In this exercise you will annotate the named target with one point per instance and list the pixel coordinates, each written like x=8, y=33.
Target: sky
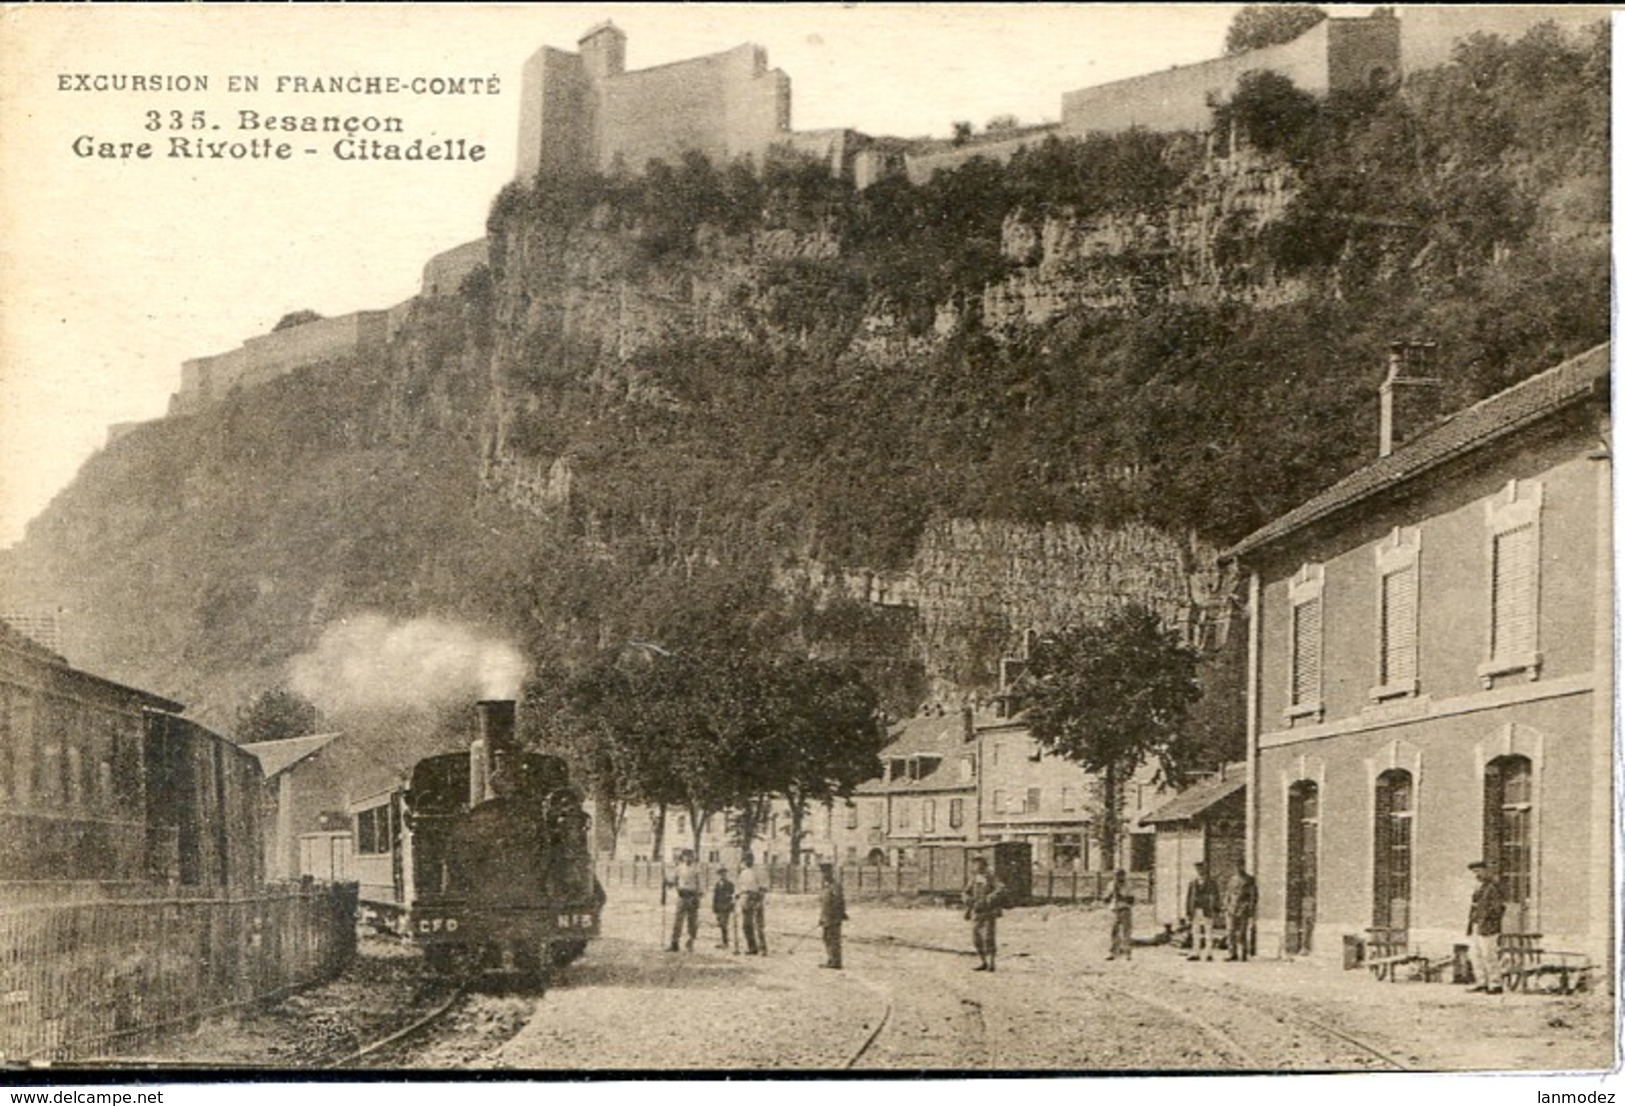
x=114, y=270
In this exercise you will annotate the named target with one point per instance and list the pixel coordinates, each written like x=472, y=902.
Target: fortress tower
x=585, y=110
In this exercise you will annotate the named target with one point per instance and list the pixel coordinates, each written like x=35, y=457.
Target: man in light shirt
x=751, y=893
x=687, y=881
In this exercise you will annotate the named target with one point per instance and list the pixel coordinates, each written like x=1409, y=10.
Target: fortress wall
x=205, y=379
x=922, y=167
x=833, y=147
x=276, y=354
x=1361, y=52
x=723, y=105
x=444, y=272
x=1178, y=99
x=663, y=113
x=555, y=125
x=758, y=104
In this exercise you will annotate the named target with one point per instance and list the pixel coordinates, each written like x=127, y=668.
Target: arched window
x=1302, y=863
x=1509, y=819
x=1392, y=835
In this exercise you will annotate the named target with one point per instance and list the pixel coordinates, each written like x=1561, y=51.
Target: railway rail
x=1239, y=1054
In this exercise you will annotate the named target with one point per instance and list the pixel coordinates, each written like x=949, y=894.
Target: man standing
x=984, y=900
x=687, y=881
x=1121, y=900
x=1484, y=927
x=1240, y=907
x=749, y=888
x=1201, y=909
x=722, y=904
x=831, y=913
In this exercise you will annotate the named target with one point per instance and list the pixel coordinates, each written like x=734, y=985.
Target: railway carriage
x=103, y=783
x=482, y=858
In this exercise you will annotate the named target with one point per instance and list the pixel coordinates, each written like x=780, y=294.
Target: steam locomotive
x=483, y=858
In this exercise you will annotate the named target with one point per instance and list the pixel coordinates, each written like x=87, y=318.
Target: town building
x=926, y=794
x=1432, y=676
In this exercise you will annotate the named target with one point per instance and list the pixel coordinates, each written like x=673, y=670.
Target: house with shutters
x=1432, y=674
x=926, y=794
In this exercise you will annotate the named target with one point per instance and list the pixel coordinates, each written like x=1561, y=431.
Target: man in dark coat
x=722, y=904
x=1484, y=927
x=1121, y=900
x=831, y=913
x=1201, y=910
x=1240, y=907
x=984, y=903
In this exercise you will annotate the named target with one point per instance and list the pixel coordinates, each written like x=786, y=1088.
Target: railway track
x=417, y=1026
x=1204, y=1015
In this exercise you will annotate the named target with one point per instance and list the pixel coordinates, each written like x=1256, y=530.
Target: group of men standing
x=1206, y=904
x=747, y=893
x=1236, y=906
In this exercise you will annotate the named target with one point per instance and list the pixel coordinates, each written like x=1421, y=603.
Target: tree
x=296, y=318
x=1257, y=25
x=275, y=715
x=1112, y=696
x=1272, y=113
x=826, y=737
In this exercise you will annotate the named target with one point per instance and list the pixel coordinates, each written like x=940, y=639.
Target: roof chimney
x=1410, y=397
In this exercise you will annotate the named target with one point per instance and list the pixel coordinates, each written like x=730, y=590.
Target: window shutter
x=1306, y=652
x=1512, y=629
x=1399, y=626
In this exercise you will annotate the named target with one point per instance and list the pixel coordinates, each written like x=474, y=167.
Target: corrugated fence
x=89, y=977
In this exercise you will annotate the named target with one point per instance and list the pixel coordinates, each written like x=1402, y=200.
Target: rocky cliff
x=905, y=426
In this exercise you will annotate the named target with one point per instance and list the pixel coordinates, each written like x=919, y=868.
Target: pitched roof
x=276, y=757
x=1198, y=798
x=1519, y=406
x=933, y=733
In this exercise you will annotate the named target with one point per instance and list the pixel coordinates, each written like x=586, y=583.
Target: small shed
x=1208, y=822
x=301, y=784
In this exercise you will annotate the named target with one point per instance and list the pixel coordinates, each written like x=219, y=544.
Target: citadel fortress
x=585, y=110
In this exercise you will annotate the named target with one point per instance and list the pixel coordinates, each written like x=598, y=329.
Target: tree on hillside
x=296, y=318
x=275, y=715
x=1112, y=696
x=1258, y=25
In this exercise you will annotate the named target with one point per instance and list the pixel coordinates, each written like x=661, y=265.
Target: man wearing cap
x=1201, y=908
x=1484, y=927
x=831, y=913
x=984, y=902
x=722, y=904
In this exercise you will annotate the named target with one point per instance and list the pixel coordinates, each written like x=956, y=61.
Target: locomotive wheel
x=565, y=953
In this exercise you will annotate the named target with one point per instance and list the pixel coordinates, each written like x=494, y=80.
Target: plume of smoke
x=370, y=663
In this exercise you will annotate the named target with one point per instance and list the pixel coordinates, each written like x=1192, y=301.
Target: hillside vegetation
x=820, y=409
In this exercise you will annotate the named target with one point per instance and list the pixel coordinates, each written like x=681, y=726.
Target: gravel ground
x=1054, y=1004
x=908, y=1000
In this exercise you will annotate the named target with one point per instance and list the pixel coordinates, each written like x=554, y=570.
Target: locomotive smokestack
x=493, y=748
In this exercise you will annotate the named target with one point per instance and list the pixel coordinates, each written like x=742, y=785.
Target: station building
x=1432, y=675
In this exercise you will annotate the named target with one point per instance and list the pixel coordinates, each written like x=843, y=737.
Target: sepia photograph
x=839, y=541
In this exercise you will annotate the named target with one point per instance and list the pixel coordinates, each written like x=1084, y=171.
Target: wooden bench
x=1388, y=950
x=1525, y=966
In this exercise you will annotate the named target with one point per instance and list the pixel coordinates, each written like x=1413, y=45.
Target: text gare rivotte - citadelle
x=359, y=141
